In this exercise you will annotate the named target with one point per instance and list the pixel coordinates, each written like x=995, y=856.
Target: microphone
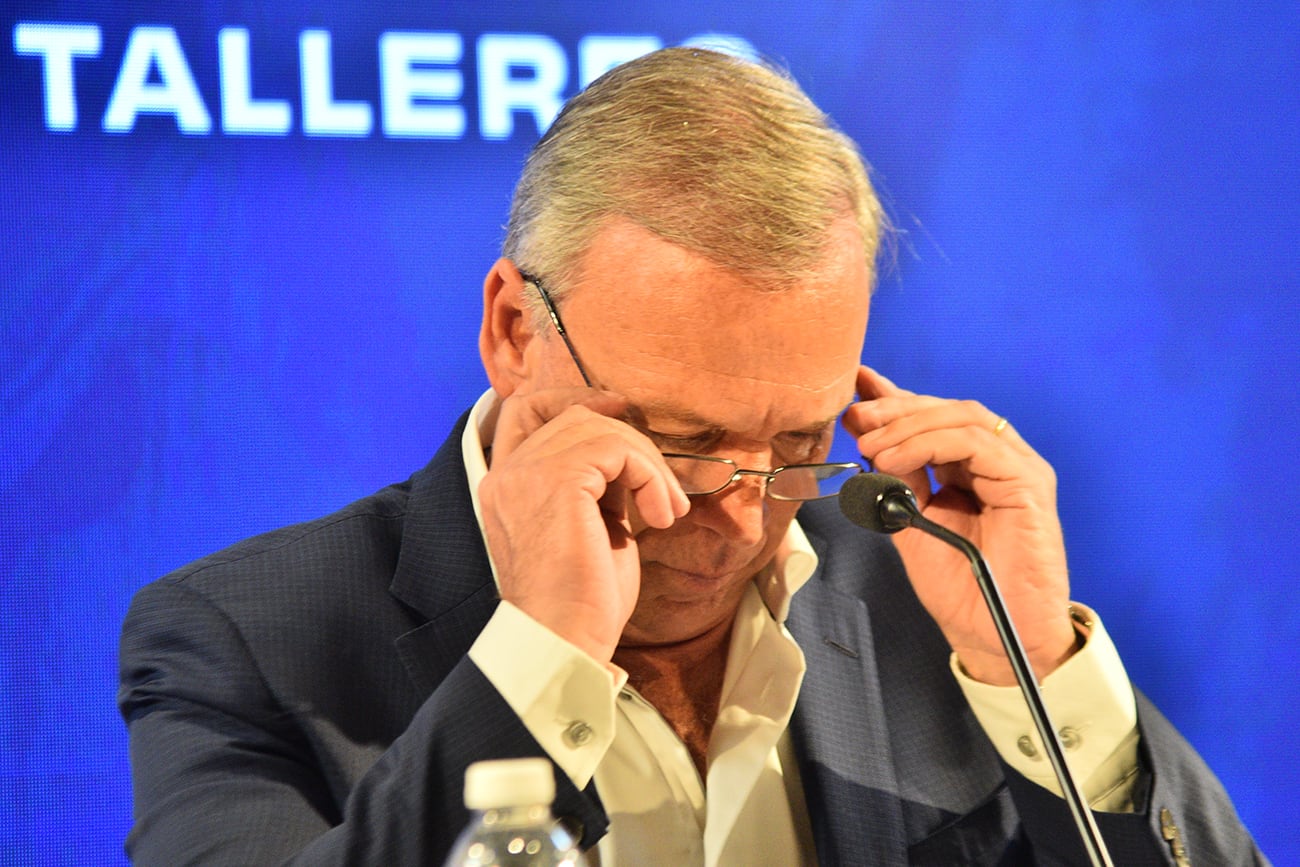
x=884, y=504
x=878, y=502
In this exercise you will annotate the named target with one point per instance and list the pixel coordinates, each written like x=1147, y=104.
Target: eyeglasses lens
x=700, y=475
x=809, y=483
x=704, y=475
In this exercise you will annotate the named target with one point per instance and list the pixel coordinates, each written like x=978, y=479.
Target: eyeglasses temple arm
x=559, y=326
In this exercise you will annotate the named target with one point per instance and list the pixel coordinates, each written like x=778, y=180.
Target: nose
x=738, y=513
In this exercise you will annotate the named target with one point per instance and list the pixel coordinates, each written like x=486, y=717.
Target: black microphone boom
x=885, y=504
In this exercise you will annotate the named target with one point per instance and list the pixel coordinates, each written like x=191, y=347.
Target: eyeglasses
x=701, y=475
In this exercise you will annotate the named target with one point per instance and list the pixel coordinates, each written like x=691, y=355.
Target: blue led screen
x=243, y=245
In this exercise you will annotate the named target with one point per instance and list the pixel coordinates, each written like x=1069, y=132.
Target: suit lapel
x=442, y=569
x=840, y=733
x=891, y=755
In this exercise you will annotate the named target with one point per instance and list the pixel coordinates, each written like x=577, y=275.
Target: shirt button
x=1070, y=738
x=1027, y=747
x=578, y=733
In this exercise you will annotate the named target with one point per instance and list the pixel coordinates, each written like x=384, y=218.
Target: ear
x=507, y=328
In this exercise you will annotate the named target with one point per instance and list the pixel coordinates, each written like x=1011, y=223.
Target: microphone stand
x=899, y=509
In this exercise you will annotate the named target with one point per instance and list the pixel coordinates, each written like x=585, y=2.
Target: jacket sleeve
x=224, y=775
x=1179, y=806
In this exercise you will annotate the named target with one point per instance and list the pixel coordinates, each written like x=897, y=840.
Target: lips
x=694, y=575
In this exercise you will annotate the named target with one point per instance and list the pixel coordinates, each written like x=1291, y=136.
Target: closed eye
x=802, y=446
x=685, y=443
x=792, y=447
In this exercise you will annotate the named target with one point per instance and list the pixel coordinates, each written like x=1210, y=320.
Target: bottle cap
x=509, y=783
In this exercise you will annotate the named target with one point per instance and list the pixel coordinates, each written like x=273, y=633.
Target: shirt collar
x=791, y=566
x=479, y=429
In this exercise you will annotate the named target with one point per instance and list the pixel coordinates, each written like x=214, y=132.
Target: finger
x=581, y=436
x=522, y=415
x=876, y=406
x=942, y=446
x=955, y=475
x=868, y=415
x=628, y=471
x=917, y=480
x=886, y=422
x=871, y=384
x=982, y=470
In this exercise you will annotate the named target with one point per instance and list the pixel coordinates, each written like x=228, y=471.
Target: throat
x=683, y=682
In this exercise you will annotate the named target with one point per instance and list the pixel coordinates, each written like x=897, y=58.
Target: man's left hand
x=993, y=489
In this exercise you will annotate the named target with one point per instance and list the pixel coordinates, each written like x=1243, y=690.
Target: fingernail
x=683, y=504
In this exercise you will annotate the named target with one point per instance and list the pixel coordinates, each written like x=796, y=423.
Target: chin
x=677, y=606
x=668, y=585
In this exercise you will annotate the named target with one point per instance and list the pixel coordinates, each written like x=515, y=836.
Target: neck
x=684, y=683
x=651, y=661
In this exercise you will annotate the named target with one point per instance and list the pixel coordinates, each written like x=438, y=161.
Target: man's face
x=712, y=366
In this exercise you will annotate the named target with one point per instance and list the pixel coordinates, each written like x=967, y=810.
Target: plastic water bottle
x=512, y=824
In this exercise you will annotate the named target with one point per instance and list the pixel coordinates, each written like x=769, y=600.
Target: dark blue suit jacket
x=305, y=696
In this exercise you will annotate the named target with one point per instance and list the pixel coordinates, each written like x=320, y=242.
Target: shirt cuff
x=563, y=696
x=1090, y=701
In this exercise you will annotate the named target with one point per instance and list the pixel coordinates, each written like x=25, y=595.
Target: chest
x=687, y=699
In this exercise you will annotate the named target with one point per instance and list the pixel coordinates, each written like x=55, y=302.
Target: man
x=602, y=564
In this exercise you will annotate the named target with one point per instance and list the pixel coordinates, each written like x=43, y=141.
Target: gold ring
x=1000, y=426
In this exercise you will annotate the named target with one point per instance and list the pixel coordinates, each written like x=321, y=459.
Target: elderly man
x=603, y=565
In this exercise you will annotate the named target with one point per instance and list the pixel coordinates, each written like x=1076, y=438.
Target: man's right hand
x=568, y=488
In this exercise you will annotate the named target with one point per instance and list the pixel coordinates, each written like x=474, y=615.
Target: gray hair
x=722, y=156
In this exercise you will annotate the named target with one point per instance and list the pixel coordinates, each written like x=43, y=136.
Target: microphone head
x=877, y=502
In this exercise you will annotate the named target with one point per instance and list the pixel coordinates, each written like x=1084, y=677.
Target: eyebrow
x=636, y=416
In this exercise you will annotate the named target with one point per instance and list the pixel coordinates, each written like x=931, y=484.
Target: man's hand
x=564, y=471
x=993, y=489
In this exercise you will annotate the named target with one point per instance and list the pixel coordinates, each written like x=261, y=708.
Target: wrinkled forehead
x=753, y=375
x=678, y=335
x=792, y=337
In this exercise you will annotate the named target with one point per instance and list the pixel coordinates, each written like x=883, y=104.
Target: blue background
x=204, y=337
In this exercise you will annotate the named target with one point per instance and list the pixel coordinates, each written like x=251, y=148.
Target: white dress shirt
x=593, y=725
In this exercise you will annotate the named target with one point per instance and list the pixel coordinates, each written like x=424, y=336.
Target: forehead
x=684, y=339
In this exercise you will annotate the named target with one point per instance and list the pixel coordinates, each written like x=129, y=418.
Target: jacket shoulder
x=366, y=528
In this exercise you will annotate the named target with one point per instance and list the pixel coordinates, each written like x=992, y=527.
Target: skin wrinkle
x=727, y=404
x=674, y=361
x=660, y=367
x=722, y=335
